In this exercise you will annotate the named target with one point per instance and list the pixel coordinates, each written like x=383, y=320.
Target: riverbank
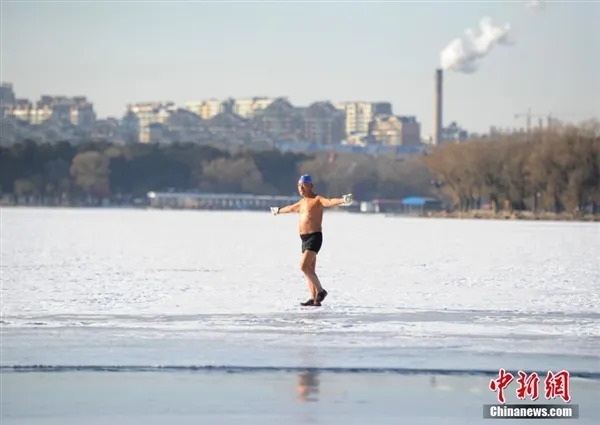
x=476, y=214
x=514, y=215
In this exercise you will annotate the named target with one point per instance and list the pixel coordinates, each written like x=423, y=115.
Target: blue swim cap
x=305, y=179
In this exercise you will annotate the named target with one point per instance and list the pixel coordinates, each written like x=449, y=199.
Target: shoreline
x=468, y=215
x=507, y=215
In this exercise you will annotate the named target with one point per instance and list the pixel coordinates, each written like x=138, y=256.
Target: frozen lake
x=156, y=287
x=181, y=288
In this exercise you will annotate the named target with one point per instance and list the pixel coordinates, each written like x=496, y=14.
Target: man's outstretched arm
x=287, y=209
x=334, y=202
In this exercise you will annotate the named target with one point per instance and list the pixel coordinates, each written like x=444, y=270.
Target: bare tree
x=234, y=175
x=90, y=170
x=557, y=169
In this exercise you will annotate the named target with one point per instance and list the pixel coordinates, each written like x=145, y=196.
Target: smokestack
x=438, y=120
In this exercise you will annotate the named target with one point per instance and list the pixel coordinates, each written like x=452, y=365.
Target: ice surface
x=262, y=398
x=183, y=287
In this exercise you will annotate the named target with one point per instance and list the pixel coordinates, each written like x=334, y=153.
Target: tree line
x=63, y=173
x=552, y=170
x=555, y=170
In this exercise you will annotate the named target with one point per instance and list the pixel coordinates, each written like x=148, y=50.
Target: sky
x=120, y=52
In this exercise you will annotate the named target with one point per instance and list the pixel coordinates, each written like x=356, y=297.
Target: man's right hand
x=274, y=210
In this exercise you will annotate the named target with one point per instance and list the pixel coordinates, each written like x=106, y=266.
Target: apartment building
x=25, y=110
x=247, y=108
x=454, y=133
x=81, y=112
x=280, y=120
x=7, y=95
x=141, y=115
x=397, y=130
x=359, y=115
x=206, y=109
x=323, y=124
x=75, y=111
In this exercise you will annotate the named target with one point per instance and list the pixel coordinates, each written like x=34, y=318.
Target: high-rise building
x=397, y=130
x=75, y=111
x=246, y=108
x=359, y=115
x=206, y=108
x=7, y=95
x=148, y=113
x=323, y=124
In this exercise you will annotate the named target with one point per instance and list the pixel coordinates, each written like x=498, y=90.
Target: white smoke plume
x=463, y=54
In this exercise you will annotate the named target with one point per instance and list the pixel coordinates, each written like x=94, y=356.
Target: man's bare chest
x=310, y=208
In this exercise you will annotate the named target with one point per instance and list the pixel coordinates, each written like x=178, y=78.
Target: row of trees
x=554, y=170
x=55, y=172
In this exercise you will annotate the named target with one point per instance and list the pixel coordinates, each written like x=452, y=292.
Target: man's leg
x=307, y=265
x=322, y=293
x=311, y=288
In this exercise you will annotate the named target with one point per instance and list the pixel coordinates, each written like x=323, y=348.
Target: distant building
x=255, y=121
x=82, y=112
x=206, y=109
x=217, y=201
x=130, y=124
x=231, y=127
x=27, y=111
x=112, y=130
x=7, y=95
x=323, y=124
x=279, y=121
x=179, y=125
x=397, y=130
x=158, y=133
x=64, y=110
x=359, y=115
x=8, y=131
x=184, y=125
x=146, y=114
x=454, y=133
x=359, y=139
x=247, y=108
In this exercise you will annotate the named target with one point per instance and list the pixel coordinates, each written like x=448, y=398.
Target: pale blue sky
x=117, y=52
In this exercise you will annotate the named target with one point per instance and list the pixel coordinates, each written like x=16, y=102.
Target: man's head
x=305, y=185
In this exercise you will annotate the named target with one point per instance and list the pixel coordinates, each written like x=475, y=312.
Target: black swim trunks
x=312, y=242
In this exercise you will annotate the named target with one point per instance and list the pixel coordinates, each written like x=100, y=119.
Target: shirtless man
x=310, y=208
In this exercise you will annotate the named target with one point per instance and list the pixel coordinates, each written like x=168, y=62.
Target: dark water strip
x=272, y=369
